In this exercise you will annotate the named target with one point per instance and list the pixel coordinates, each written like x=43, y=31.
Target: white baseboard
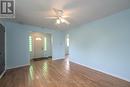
x=2, y=74
x=58, y=58
x=17, y=66
x=101, y=71
x=12, y=68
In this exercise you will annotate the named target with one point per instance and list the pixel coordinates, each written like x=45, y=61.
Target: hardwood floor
x=58, y=73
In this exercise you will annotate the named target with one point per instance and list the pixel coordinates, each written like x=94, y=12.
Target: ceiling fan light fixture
x=58, y=21
x=62, y=20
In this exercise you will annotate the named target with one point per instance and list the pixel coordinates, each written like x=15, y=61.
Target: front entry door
x=38, y=45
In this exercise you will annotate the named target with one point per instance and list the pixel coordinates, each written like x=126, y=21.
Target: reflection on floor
x=58, y=73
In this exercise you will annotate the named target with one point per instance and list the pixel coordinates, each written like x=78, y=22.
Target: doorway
x=2, y=50
x=40, y=45
x=67, y=44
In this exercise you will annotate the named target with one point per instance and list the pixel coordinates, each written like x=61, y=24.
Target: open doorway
x=40, y=46
x=67, y=44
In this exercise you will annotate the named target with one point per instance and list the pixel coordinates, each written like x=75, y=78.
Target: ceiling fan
x=60, y=18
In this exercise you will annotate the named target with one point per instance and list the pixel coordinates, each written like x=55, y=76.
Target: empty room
x=64, y=43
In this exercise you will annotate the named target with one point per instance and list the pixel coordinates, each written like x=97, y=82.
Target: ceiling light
x=60, y=17
x=38, y=38
x=62, y=20
x=58, y=21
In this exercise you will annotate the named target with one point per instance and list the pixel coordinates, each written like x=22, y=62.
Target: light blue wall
x=104, y=45
x=17, y=43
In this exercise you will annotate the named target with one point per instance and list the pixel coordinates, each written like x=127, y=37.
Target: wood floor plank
x=58, y=73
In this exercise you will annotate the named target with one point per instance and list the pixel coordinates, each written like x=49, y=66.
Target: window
x=45, y=44
x=30, y=43
x=67, y=41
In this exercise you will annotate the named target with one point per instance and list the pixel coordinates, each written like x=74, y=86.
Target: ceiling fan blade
x=58, y=12
x=51, y=17
x=65, y=16
x=65, y=21
x=55, y=10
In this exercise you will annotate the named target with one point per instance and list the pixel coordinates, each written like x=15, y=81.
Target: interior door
x=38, y=45
x=2, y=49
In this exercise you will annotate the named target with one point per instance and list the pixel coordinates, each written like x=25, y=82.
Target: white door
x=38, y=43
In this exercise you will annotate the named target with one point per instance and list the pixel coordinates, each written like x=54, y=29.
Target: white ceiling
x=80, y=11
